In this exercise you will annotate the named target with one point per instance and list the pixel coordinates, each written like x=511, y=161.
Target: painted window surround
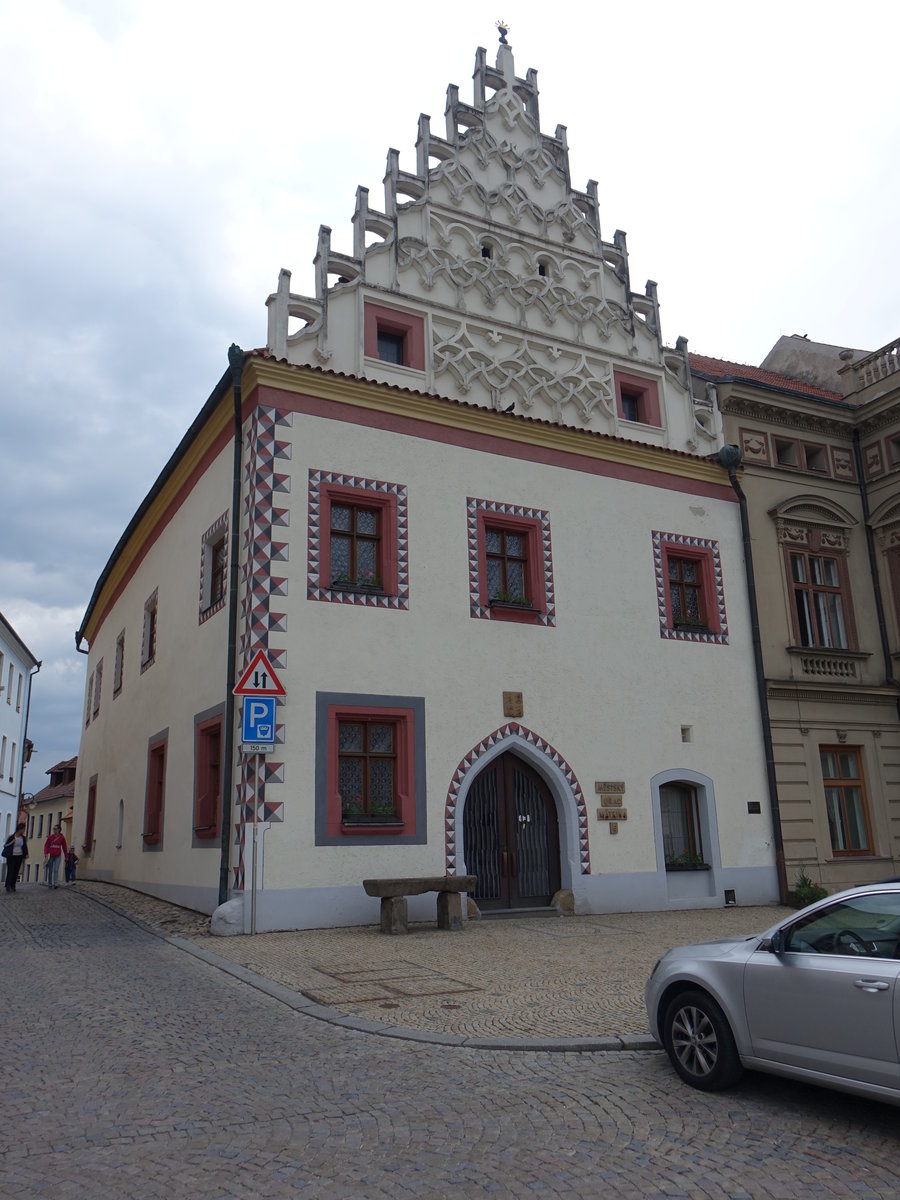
x=534, y=525
x=705, y=553
x=410, y=326
x=213, y=535
x=645, y=391
x=326, y=488
x=408, y=712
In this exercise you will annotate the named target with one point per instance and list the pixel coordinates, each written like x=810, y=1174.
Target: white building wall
x=187, y=677
x=15, y=685
x=602, y=687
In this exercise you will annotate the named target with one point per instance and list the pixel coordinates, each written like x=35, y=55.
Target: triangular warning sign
x=259, y=679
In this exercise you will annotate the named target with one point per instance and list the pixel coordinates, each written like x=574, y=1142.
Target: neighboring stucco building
x=477, y=525
x=822, y=479
x=50, y=806
x=16, y=666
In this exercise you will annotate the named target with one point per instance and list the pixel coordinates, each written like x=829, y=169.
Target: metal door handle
x=871, y=985
x=503, y=867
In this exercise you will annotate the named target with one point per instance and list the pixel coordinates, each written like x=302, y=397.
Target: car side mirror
x=776, y=942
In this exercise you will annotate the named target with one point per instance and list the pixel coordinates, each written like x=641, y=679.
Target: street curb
x=322, y=1012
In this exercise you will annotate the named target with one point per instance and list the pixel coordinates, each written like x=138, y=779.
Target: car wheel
x=700, y=1043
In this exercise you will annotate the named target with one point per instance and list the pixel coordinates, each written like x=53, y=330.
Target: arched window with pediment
x=814, y=535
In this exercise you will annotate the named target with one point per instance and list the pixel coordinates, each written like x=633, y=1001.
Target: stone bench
x=393, y=893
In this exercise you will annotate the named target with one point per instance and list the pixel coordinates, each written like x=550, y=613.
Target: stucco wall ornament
x=504, y=260
x=538, y=374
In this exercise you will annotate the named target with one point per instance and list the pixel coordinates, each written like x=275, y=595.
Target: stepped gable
x=490, y=272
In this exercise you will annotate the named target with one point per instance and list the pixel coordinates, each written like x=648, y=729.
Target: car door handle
x=871, y=985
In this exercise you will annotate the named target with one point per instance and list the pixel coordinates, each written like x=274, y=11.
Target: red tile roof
x=722, y=369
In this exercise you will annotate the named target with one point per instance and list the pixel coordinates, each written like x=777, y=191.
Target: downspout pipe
x=31, y=675
x=729, y=457
x=236, y=362
x=873, y=568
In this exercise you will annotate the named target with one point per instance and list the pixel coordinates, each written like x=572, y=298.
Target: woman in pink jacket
x=55, y=846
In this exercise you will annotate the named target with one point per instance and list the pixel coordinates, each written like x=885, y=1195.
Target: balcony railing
x=883, y=364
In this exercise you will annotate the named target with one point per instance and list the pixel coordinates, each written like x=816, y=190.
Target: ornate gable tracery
x=523, y=300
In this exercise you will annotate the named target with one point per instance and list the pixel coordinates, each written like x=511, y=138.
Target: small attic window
x=486, y=251
x=394, y=337
x=815, y=458
x=785, y=453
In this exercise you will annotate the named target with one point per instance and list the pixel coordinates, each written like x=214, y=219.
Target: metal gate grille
x=531, y=838
x=481, y=836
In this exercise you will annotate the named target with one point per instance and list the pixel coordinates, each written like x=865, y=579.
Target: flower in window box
x=686, y=861
x=516, y=598
x=352, y=806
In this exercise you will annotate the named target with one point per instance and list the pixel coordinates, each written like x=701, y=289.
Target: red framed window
x=394, y=337
x=208, y=778
x=845, y=800
x=88, y=843
x=367, y=769
x=819, y=595
x=689, y=588
x=156, y=793
x=219, y=555
x=355, y=554
x=510, y=565
x=506, y=564
x=371, y=785
x=148, y=640
x=357, y=549
x=637, y=398
x=686, y=600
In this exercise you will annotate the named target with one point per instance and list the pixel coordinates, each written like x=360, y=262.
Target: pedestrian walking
x=56, y=849
x=15, y=851
x=71, y=861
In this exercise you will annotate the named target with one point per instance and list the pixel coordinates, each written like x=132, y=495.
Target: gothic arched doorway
x=511, y=836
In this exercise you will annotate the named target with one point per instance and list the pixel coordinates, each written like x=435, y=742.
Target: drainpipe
x=31, y=676
x=236, y=362
x=873, y=567
x=729, y=457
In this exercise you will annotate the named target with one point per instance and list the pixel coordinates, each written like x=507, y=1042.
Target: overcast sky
x=161, y=161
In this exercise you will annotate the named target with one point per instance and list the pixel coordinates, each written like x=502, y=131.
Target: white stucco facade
x=477, y=374
x=16, y=666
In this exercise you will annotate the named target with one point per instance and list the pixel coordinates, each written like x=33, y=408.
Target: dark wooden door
x=511, y=836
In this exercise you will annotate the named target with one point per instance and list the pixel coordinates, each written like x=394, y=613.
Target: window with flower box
x=510, y=563
x=357, y=541
x=689, y=588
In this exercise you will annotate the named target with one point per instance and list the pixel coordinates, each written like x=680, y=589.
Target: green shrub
x=805, y=892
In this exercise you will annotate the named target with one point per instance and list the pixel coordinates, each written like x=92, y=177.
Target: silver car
x=815, y=998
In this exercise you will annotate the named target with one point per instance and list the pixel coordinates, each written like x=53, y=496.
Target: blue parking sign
x=258, y=726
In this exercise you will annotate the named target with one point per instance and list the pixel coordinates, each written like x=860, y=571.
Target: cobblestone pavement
x=538, y=979
x=145, y=1072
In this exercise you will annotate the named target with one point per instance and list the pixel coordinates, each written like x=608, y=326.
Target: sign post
x=260, y=687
